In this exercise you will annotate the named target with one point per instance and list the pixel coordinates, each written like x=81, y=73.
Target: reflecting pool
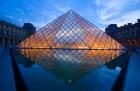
x=68, y=65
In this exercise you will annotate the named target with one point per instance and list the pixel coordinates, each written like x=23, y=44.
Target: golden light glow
x=76, y=34
x=70, y=39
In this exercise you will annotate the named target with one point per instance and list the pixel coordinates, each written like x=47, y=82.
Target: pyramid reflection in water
x=70, y=46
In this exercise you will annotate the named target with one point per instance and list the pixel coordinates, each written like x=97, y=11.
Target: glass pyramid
x=70, y=46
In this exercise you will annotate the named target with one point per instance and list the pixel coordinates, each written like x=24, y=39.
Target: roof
x=9, y=24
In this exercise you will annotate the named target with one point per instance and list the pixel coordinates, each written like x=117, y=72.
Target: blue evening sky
x=40, y=12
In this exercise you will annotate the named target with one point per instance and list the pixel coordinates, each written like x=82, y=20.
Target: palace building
x=11, y=34
x=128, y=35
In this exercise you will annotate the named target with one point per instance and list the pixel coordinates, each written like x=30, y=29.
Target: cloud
x=109, y=8
x=45, y=18
x=129, y=17
x=117, y=11
x=39, y=13
x=99, y=12
x=20, y=11
x=62, y=9
x=10, y=16
x=14, y=19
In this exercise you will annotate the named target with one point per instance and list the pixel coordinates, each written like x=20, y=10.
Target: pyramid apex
x=70, y=11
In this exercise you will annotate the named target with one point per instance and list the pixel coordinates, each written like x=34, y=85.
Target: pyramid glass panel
x=70, y=46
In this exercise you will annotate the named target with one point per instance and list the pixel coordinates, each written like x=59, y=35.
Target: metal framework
x=70, y=46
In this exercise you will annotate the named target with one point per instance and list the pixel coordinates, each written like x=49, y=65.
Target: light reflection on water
x=69, y=65
x=39, y=79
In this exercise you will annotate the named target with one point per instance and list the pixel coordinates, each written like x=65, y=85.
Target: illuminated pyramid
x=70, y=46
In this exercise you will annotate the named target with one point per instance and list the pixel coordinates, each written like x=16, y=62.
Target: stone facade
x=11, y=35
x=128, y=35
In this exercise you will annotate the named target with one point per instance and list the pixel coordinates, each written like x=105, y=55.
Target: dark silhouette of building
x=11, y=34
x=111, y=29
x=29, y=28
x=128, y=35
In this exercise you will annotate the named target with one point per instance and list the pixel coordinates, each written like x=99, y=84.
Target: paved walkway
x=132, y=82
x=6, y=73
